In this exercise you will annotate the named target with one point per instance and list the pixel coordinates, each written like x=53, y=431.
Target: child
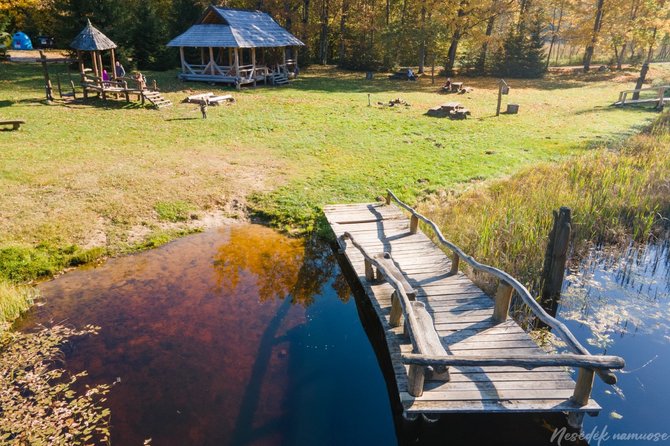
x=203, y=108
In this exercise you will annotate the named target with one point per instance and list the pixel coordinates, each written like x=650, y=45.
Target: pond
x=242, y=336
x=619, y=304
x=229, y=337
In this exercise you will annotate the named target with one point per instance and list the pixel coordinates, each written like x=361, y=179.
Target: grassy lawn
x=115, y=176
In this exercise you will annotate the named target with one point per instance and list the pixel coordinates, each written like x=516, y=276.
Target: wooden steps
x=156, y=99
x=279, y=78
x=463, y=317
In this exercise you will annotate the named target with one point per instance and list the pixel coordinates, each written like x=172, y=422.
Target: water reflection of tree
x=280, y=265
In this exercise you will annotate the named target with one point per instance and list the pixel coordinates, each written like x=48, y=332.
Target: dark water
x=241, y=336
x=620, y=305
x=235, y=336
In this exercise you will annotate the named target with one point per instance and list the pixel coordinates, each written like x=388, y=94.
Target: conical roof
x=91, y=39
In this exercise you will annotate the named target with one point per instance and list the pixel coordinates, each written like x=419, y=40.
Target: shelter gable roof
x=248, y=29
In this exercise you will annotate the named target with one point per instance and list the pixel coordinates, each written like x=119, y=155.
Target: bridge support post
x=581, y=395
x=503, y=299
x=396, y=310
x=369, y=271
x=417, y=375
x=454, y=264
x=413, y=224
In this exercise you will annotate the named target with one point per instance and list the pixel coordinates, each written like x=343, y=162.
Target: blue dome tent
x=21, y=41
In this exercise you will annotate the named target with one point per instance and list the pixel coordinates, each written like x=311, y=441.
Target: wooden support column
x=211, y=60
x=230, y=57
x=415, y=379
x=555, y=260
x=100, y=63
x=283, y=53
x=296, y=70
x=237, y=68
x=503, y=299
x=202, y=56
x=396, y=310
x=94, y=58
x=183, y=59
x=413, y=224
x=455, y=259
x=253, y=64
x=369, y=271
x=581, y=395
x=113, y=65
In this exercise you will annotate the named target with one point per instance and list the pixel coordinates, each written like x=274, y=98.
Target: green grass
x=119, y=177
x=14, y=300
x=616, y=193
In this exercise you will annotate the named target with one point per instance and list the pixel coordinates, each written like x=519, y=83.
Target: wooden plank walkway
x=462, y=315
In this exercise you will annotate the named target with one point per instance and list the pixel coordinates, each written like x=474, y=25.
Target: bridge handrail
x=664, y=87
x=559, y=328
x=416, y=336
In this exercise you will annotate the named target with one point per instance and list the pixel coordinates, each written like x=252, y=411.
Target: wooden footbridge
x=454, y=348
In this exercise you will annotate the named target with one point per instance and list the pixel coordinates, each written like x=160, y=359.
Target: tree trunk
x=422, y=48
x=388, y=12
x=588, y=54
x=645, y=67
x=451, y=54
x=323, y=38
x=554, y=35
x=481, y=60
x=343, y=29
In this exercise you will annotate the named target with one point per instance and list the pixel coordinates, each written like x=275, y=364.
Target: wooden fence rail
x=588, y=363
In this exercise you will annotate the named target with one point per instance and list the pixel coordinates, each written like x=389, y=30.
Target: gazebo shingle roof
x=233, y=28
x=91, y=39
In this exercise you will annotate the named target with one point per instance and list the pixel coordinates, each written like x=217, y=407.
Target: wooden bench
x=16, y=124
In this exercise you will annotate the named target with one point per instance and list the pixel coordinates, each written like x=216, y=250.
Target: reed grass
x=14, y=300
x=617, y=193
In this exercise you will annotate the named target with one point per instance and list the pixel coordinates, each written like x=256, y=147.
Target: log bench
x=16, y=124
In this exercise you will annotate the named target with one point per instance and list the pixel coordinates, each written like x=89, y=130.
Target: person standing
x=120, y=71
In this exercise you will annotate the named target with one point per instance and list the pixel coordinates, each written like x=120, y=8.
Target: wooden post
x=94, y=57
x=500, y=87
x=369, y=271
x=502, y=302
x=283, y=53
x=202, y=56
x=230, y=57
x=455, y=259
x=183, y=59
x=555, y=259
x=413, y=224
x=113, y=65
x=253, y=64
x=237, y=68
x=296, y=70
x=396, y=310
x=100, y=64
x=415, y=378
x=581, y=395
x=47, y=81
x=388, y=198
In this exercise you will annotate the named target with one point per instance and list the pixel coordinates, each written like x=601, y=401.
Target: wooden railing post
x=415, y=379
x=455, y=259
x=503, y=299
x=413, y=224
x=369, y=271
x=581, y=396
x=396, y=310
x=583, y=387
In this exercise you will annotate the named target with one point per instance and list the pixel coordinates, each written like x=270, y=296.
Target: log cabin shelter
x=237, y=47
x=91, y=41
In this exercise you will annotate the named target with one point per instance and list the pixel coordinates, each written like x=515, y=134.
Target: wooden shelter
x=91, y=41
x=237, y=47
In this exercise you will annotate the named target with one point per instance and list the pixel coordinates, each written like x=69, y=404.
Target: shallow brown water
x=208, y=339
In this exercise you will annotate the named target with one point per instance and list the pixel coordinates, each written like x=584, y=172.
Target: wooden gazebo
x=91, y=41
x=237, y=47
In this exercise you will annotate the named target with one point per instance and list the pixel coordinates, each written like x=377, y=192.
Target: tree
x=588, y=53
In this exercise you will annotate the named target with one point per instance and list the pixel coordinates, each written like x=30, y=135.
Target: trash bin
x=512, y=109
